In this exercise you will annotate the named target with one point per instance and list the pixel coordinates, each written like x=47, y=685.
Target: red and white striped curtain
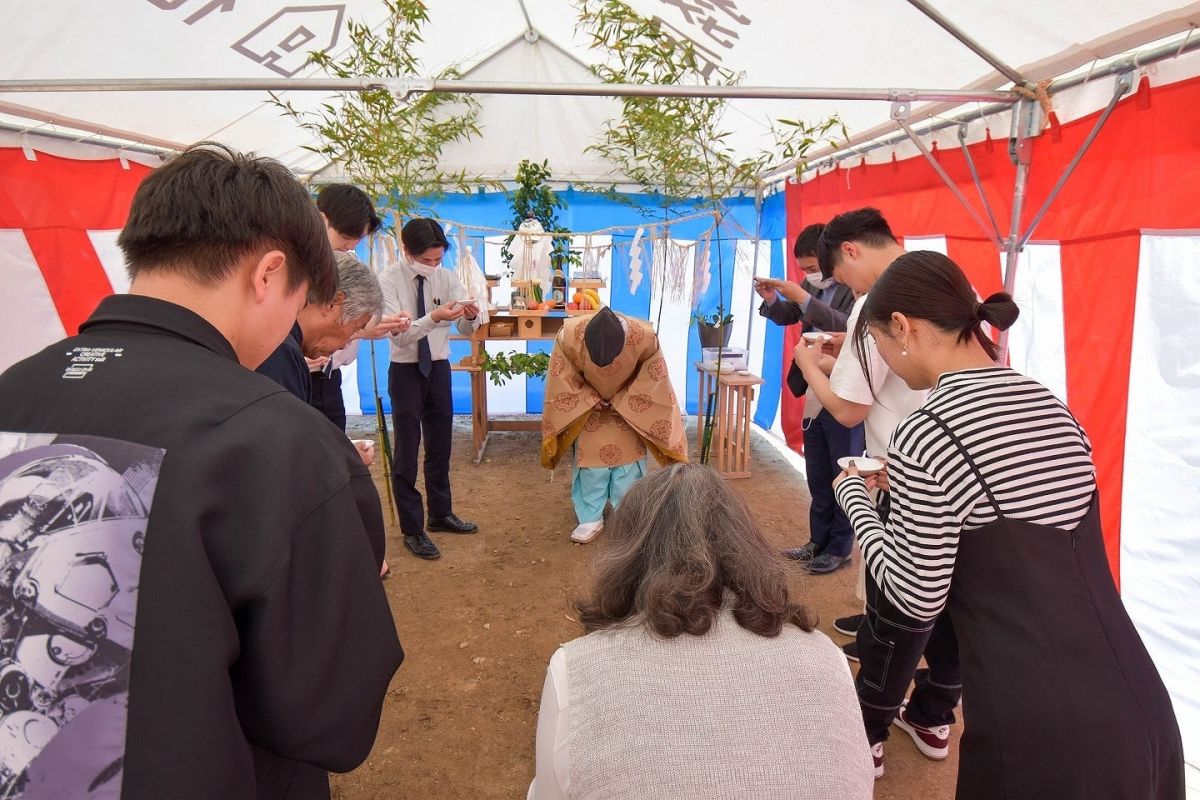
x=59, y=220
x=1109, y=290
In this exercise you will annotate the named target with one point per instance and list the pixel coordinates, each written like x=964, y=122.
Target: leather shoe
x=826, y=563
x=806, y=553
x=451, y=524
x=422, y=546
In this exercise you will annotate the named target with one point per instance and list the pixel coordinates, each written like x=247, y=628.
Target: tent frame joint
x=402, y=88
x=1122, y=87
x=900, y=116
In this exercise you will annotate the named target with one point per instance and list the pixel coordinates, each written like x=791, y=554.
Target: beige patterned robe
x=644, y=414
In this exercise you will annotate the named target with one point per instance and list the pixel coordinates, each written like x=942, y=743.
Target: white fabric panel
x=1036, y=340
x=30, y=321
x=509, y=398
x=673, y=326
x=111, y=258
x=1160, y=541
x=935, y=243
x=745, y=305
x=350, y=397
x=777, y=423
x=66, y=148
x=493, y=262
x=740, y=305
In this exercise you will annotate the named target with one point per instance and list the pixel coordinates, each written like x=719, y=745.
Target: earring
x=904, y=349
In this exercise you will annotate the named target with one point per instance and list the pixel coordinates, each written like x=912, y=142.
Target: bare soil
x=480, y=624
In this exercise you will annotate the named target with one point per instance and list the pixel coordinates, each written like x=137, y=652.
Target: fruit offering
x=586, y=300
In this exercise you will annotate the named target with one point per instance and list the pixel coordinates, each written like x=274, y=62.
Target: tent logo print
x=283, y=42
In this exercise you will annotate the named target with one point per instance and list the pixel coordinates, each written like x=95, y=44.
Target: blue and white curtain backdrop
x=634, y=262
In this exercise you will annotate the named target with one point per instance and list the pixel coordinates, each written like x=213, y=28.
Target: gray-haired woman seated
x=701, y=675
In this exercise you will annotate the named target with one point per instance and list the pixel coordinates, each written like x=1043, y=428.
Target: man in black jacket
x=818, y=304
x=195, y=548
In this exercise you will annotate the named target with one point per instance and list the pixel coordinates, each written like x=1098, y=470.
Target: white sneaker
x=586, y=531
x=877, y=755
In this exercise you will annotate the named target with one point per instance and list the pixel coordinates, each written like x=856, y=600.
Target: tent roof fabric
x=883, y=43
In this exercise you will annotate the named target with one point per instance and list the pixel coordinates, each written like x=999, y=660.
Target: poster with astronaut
x=73, y=517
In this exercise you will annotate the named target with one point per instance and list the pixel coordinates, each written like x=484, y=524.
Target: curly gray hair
x=361, y=287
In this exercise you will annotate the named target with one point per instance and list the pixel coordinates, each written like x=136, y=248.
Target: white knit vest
x=726, y=715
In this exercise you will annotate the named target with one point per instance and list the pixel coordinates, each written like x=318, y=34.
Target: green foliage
x=676, y=145
x=533, y=197
x=717, y=320
x=502, y=366
x=389, y=143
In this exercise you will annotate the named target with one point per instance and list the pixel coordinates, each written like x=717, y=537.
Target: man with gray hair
x=322, y=329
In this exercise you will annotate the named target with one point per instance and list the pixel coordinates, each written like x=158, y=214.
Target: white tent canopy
x=881, y=44
x=871, y=43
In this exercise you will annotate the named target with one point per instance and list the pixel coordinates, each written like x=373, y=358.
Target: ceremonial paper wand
x=381, y=429
x=385, y=440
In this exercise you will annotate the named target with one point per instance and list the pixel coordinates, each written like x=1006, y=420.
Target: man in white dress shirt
x=419, y=380
x=856, y=248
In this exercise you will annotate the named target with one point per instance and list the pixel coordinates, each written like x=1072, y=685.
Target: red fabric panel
x=791, y=408
x=56, y=201
x=72, y=271
x=980, y=260
x=85, y=195
x=1097, y=323
x=1142, y=172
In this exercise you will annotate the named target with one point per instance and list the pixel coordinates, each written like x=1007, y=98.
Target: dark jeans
x=326, y=396
x=890, y=645
x=421, y=408
x=825, y=441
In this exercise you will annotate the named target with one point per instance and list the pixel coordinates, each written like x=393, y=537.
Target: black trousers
x=825, y=441
x=422, y=408
x=890, y=646
x=326, y=396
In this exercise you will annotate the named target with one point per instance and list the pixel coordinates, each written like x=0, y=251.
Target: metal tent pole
x=1123, y=86
x=883, y=135
x=975, y=47
x=1020, y=150
x=758, y=206
x=406, y=86
x=900, y=114
x=966, y=151
x=1016, y=242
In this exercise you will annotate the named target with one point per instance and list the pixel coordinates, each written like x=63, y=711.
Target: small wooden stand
x=729, y=451
x=528, y=325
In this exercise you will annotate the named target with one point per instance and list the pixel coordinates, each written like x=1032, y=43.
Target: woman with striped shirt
x=995, y=518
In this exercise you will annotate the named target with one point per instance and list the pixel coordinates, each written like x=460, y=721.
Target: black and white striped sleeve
x=912, y=557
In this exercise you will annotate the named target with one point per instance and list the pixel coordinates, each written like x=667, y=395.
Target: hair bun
x=998, y=310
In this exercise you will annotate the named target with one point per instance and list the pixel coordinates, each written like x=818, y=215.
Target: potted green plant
x=714, y=329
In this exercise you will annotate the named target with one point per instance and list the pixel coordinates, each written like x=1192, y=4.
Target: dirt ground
x=480, y=624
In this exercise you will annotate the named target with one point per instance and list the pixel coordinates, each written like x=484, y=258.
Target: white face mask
x=820, y=283
x=424, y=270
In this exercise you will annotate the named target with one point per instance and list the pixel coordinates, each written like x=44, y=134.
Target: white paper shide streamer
x=471, y=276
x=635, y=261
x=701, y=275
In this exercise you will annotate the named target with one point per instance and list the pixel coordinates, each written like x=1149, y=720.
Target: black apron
x=1060, y=698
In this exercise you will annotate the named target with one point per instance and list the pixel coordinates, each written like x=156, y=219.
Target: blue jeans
x=825, y=441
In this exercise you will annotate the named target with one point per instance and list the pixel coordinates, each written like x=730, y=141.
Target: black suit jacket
x=830, y=316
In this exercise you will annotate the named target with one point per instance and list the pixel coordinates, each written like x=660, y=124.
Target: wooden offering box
x=532, y=324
